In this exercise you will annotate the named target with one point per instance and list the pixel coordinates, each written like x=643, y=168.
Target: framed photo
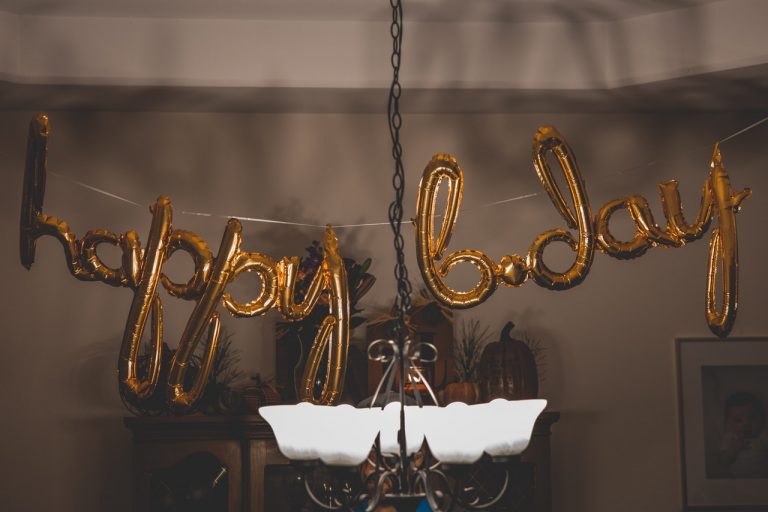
x=723, y=401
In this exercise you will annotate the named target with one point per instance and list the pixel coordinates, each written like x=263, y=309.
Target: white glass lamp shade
x=460, y=433
x=452, y=433
x=414, y=428
x=508, y=425
x=339, y=435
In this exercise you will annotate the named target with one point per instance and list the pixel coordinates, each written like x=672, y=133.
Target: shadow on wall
x=513, y=49
x=529, y=324
x=553, y=378
x=93, y=376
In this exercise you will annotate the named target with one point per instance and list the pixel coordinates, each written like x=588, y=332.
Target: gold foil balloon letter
x=548, y=140
x=513, y=270
x=145, y=298
x=716, y=196
x=431, y=250
x=141, y=271
x=724, y=250
x=204, y=318
x=332, y=338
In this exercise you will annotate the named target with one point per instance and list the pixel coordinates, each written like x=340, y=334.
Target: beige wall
x=610, y=342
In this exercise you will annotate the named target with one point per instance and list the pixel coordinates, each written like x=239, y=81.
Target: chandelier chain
x=404, y=288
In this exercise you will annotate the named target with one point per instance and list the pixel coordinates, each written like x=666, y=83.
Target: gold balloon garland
x=513, y=270
x=141, y=271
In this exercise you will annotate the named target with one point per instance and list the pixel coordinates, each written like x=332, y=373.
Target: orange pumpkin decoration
x=467, y=392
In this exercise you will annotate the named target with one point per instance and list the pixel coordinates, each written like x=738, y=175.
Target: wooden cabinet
x=243, y=445
x=232, y=464
x=538, y=455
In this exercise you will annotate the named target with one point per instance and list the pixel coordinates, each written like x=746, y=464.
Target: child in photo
x=744, y=447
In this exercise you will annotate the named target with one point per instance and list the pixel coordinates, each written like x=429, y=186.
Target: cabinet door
x=187, y=476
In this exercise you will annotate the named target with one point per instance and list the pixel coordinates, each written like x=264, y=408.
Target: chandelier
x=393, y=452
x=402, y=454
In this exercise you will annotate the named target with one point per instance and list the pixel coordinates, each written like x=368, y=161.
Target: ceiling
x=437, y=10
x=309, y=55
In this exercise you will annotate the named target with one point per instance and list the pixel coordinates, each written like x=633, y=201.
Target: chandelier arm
x=500, y=494
x=380, y=464
x=430, y=493
x=393, y=468
x=389, y=375
x=404, y=482
x=316, y=501
x=373, y=502
x=417, y=350
x=476, y=504
x=376, y=350
x=426, y=464
x=414, y=382
x=426, y=385
x=375, y=462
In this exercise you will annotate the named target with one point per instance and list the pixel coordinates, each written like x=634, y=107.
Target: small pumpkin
x=259, y=394
x=467, y=392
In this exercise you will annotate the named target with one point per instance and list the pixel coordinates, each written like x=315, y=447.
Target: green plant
x=468, y=349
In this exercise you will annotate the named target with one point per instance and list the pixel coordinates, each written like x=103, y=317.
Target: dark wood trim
x=198, y=427
x=728, y=90
x=543, y=426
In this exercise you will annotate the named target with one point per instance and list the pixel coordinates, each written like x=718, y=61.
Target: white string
x=367, y=224
x=743, y=130
x=503, y=201
x=494, y=203
x=254, y=219
x=338, y=226
x=695, y=150
x=268, y=221
x=95, y=189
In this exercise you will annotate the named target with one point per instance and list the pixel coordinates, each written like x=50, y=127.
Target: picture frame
x=722, y=406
